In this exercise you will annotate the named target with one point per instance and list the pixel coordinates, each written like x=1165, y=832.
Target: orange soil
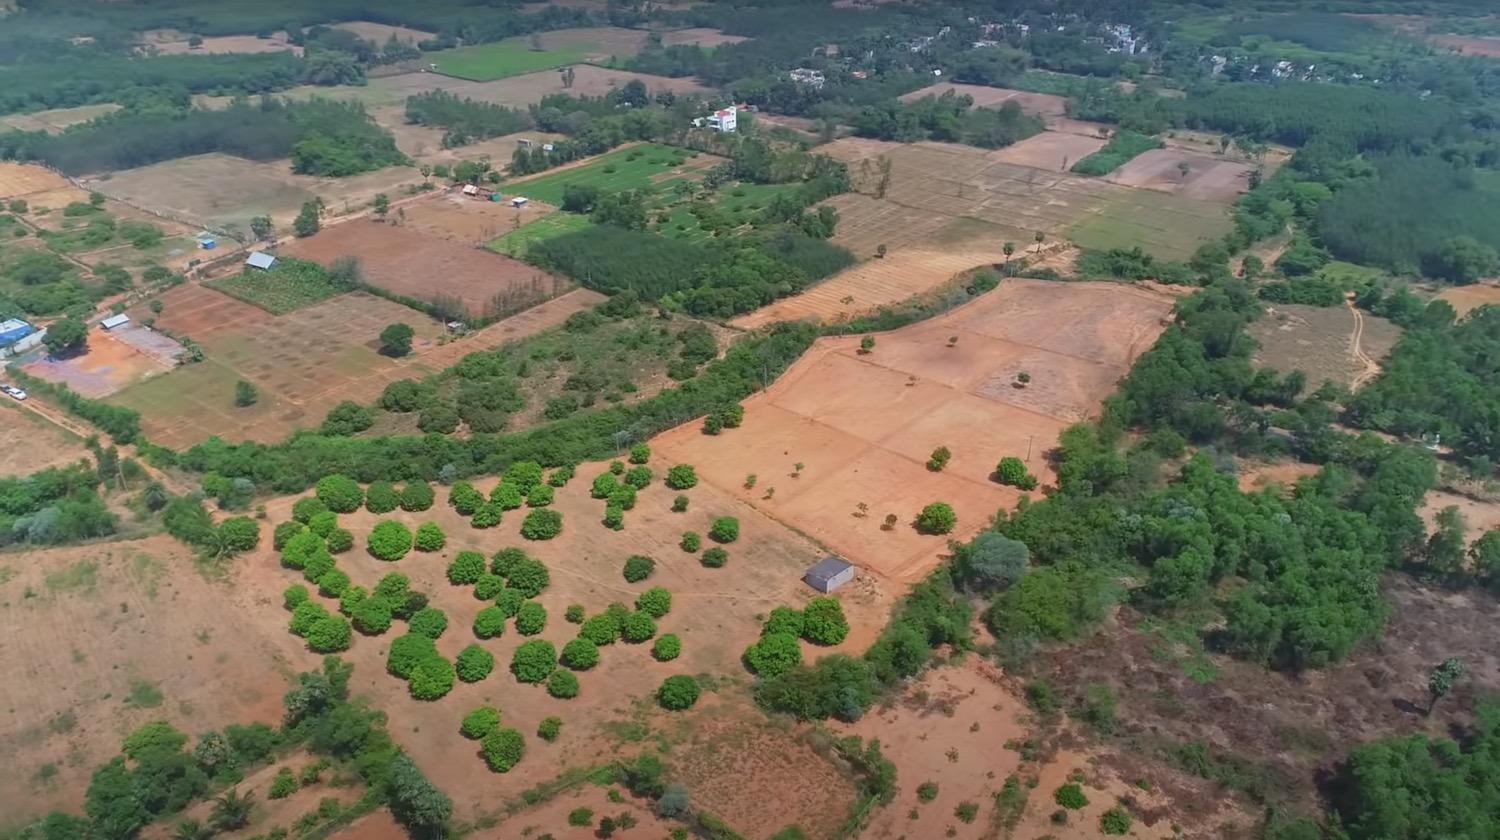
x=1051, y=150
x=20, y=180
x=107, y=366
x=1465, y=299
x=1209, y=178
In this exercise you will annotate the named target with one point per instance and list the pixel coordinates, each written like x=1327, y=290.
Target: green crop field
x=487, y=62
x=517, y=242
x=624, y=169
x=290, y=285
x=1167, y=226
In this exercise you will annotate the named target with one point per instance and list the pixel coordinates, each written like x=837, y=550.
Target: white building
x=725, y=120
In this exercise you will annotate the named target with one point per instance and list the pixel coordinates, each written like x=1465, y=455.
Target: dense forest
x=948, y=118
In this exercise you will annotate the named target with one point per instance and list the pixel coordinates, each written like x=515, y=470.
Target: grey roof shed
x=261, y=260
x=829, y=574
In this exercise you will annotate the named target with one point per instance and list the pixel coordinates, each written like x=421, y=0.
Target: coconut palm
x=232, y=810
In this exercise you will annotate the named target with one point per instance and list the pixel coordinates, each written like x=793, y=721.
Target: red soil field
x=863, y=425
x=1209, y=178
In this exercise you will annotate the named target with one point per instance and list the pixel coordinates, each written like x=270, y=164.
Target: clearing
x=119, y=633
x=1051, y=150
x=109, y=364
x=172, y=42
x=55, y=120
x=1045, y=105
x=865, y=423
x=633, y=167
x=29, y=443
x=380, y=33
x=1208, y=177
x=414, y=264
x=1465, y=299
x=472, y=221
x=1321, y=342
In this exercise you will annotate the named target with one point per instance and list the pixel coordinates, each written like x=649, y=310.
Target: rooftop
x=827, y=569
x=260, y=259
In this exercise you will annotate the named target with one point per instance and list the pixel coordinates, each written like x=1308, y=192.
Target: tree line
x=464, y=120
x=949, y=118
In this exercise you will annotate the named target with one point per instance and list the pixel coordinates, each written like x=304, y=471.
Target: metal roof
x=827, y=569
x=114, y=321
x=260, y=259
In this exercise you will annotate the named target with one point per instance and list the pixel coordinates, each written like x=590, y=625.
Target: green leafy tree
x=372, y=616
x=339, y=494
x=680, y=504
x=937, y=518
x=677, y=693
x=1070, y=796
x=601, y=629
x=466, y=568
x=406, y=652
x=1115, y=821
x=503, y=749
x=562, y=684
x=580, y=654
x=417, y=496
x=637, y=627
x=638, y=567
x=640, y=453
x=714, y=558
x=245, y=394
x=283, y=785
x=488, y=516
x=531, y=618
x=1012, y=471
x=991, y=561
x=549, y=729
x=465, y=499
x=638, y=477
x=533, y=661
x=429, y=621
x=479, y=723
x=330, y=634
x=529, y=577
x=541, y=524
x=1441, y=679
x=725, y=529
x=307, y=222
x=474, y=663
x=823, y=621
x=432, y=679
x=774, y=654
x=691, y=542
x=508, y=496
x=68, y=335
x=389, y=540
x=682, y=477
x=667, y=648
x=489, y=622
x=655, y=602
x=381, y=497
x=430, y=538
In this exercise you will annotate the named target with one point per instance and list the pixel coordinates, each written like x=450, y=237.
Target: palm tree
x=192, y=830
x=232, y=810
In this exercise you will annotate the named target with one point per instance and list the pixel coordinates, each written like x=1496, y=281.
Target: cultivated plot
x=1327, y=343
x=380, y=33
x=841, y=440
x=1188, y=174
x=468, y=220
x=1465, y=299
x=55, y=120
x=107, y=366
x=630, y=168
x=29, y=443
x=1042, y=104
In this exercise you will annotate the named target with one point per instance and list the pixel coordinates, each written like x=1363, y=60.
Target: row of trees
x=951, y=118
x=464, y=120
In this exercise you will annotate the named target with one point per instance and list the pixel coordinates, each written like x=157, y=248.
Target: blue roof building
x=14, y=330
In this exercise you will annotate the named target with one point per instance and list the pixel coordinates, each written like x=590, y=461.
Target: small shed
x=115, y=321
x=829, y=574
x=260, y=260
x=519, y=201
x=14, y=330
x=470, y=189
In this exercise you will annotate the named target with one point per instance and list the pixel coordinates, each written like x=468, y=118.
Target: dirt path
x=1371, y=368
x=60, y=418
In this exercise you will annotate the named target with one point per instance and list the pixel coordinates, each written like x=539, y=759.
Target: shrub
x=623, y=497
x=509, y=601
x=429, y=621
x=1070, y=796
x=714, y=558
x=1115, y=821
x=966, y=811
x=333, y=583
x=302, y=548
x=774, y=655
x=603, y=486
x=542, y=524
x=488, y=516
x=294, y=596
x=640, y=453
x=305, y=508
x=655, y=602
x=409, y=605
x=637, y=627
x=617, y=467
x=474, y=663
x=614, y=517
x=479, y=723
x=507, y=496
x=601, y=629
x=533, y=661
x=691, y=542
x=284, y=785
x=284, y=532
x=389, y=540
x=574, y=614
x=540, y=496
x=823, y=621
x=937, y=518
x=339, y=541
x=531, y=618
x=503, y=749
x=406, y=652
x=580, y=654
x=372, y=616
x=783, y=620
x=417, y=496
x=431, y=679
x=638, y=477
x=329, y=634
x=393, y=585
x=305, y=615
x=488, y=587
x=682, y=477
x=506, y=559
x=581, y=817
x=726, y=529
x=638, y=567
x=340, y=493
x=560, y=477
x=1012, y=471
x=927, y=791
x=323, y=523
x=680, y=504
x=352, y=597
x=529, y=577
x=562, y=684
x=466, y=568
x=464, y=498
x=318, y=566
x=489, y=623
x=549, y=728
x=431, y=538
x=667, y=648
x=381, y=497
x=677, y=693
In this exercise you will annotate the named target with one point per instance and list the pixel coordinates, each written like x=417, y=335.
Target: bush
x=431, y=679
x=330, y=634
x=714, y=558
x=574, y=614
x=294, y=596
x=937, y=518
x=339, y=541
x=407, y=652
x=540, y=496
x=333, y=582
x=529, y=577
x=389, y=540
x=381, y=497
x=623, y=497
x=677, y=693
x=560, y=477
x=489, y=623
x=580, y=654
x=372, y=616
x=284, y=785
x=393, y=585
x=614, y=517
x=305, y=615
x=774, y=655
x=503, y=749
x=1070, y=796
x=474, y=663
x=479, y=723
x=239, y=533
x=638, y=477
x=429, y=621
x=1012, y=471
x=823, y=621
x=509, y=601
x=680, y=504
x=304, y=509
x=726, y=529
x=581, y=817
x=604, y=486
x=488, y=516
x=318, y=566
x=549, y=729
x=431, y=538
x=783, y=620
x=637, y=627
x=691, y=542
x=562, y=685
x=531, y=618
x=340, y=493
x=488, y=587
x=655, y=602
x=682, y=477
x=638, y=567
x=506, y=559
x=323, y=523
x=417, y=496
x=463, y=498
x=927, y=791
x=542, y=524
x=1115, y=821
x=640, y=453
x=352, y=597
x=466, y=568
x=601, y=629
x=667, y=648
x=284, y=532
x=533, y=661
x=507, y=496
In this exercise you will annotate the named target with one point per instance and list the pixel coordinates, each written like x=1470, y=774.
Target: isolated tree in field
x=714, y=558
x=307, y=222
x=682, y=477
x=638, y=567
x=382, y=205
x=245, y=394
x=1441, y=679
x=562, y=684
x=725, y=529
x=1183, y=168
x=503, y=749
x=640, y=453
x=939, y=459
x=1008, y=249
x=347, y=418
x=666, y=648
x=395, y=340
x=680, y=504
x=389, y=540
x=488, y=586
x=937, y=518
x=866, y=344
x=68, y=335
x=262, y=228
x=677, y=693
x=479, y=723
x=338, y=493
x=1012, y=471
x=1039, y=238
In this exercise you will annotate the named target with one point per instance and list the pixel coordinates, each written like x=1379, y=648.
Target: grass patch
x=519, y=241
x=1166, y=226
x=487, y=62
x=290, y=285
x=1120, y=149
x=79, y=577
x=622, y=169
x=143, y=695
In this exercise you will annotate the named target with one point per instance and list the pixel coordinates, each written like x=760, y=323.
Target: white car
x=13, y=391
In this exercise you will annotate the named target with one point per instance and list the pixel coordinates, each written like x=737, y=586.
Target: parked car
x=13, y=391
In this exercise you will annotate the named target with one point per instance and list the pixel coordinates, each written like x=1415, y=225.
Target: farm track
x=1371, y=368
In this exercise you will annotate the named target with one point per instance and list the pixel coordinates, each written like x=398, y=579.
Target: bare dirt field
x=409, y=262
x=701, y=36
x=589, y=80
x=381, y=33
x=1465, y=299
x=1209, y=178
x=1051, y=150
x=1320, y=342
x=551, y=817
x=471, y=221
x=716, y=612
x=107, y=366
x=29, y=443
x=57, y=119
x=20, y=180
x=224, y=44
x=864, y=424
x=1479, y=516
x=1042, y=104
x=99, y=639
x=1256, y=476
x=1468, y=44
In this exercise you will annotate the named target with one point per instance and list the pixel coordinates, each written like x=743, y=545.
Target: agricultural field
x=630, y=168
x=173, y=42
x=487, y=62
x=841, y=439
x=87, y=623
x=1329, y=343
x=381, y=32
x=415, y=264
x=1045, y=105
x=110, y=364
x=55, y=120
x=459, y=218
x=28, y=443
x=1206, y=177
x=556, y=223
x=283, y=288
x=1465, y=299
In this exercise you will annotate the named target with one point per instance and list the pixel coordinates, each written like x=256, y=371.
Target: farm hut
x=519, y=201
x=14, y=330
x=829, y=574
x=260, y=260
x=115, y=321
x=470, y=189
